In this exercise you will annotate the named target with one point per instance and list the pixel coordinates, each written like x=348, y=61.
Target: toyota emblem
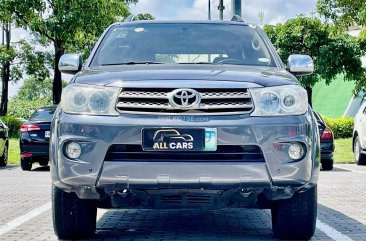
x=184, y=98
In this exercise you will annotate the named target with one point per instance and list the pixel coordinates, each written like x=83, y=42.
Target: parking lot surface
x=25, y=213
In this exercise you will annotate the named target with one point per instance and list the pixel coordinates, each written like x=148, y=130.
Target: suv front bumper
x=92, y=176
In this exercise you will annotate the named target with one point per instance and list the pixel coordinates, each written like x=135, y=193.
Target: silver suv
x=184, y=115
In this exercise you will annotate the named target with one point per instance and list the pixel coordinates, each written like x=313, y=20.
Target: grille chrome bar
x=225, y=95
x=142, y=105
x=142, y=94
x=156, y=101
x=226, y=105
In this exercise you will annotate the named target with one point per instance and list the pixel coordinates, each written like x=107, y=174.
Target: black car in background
x=4, y=144
x=34, y=138
x=326, y=144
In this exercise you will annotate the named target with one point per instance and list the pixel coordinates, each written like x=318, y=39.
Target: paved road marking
x=101, y=213
x=24, y=218
x=328, y=230
x=32, y=214
x=347, y=169
x=331, y=232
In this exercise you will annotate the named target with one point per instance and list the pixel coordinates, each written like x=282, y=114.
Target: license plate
x=179, y=139
x=47, y=134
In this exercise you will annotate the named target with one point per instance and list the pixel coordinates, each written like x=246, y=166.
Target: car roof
x=185, y=22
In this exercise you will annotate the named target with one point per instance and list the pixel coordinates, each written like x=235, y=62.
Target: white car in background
x=359, y=136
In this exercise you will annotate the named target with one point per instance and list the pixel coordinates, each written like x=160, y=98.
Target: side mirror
x=300, y=65
x=70, y=63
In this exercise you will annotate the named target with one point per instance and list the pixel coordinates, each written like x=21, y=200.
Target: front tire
x=4, y=157
x=360, y=158
x=295, y=218
x=25, y=164
x=73, y=218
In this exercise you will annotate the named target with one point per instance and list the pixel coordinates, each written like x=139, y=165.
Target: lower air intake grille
x=186, y=200
x=134, y=153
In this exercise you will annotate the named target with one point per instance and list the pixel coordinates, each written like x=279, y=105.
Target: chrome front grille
x=212, y=101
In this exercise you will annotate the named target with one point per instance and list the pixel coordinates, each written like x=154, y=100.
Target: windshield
x=178, y=43
x=43, y=114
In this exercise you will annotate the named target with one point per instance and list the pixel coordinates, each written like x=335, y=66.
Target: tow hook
x=123, y=193
x=245, y=192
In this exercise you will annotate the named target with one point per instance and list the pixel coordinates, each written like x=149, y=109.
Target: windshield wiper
x=133, y=63
x=198, y=63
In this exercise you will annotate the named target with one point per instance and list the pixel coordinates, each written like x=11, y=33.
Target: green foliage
x=6, y=54
x=13, y=124
x=33, y=89
x=31, y=95
x=333, y=52
x=343, y=12
x=24, y=108
x=145, y=16
x=71, y=25
x=35, y=63
x=341, y=127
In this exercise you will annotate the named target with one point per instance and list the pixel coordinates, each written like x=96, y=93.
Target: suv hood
x=184, y=76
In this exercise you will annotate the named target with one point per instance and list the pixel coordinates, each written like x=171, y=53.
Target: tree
x=33, y=89
x=334, y=53
x=31, y=95
x=6, y=56
x=67, y=25
x=145, y=16
x=345, y=13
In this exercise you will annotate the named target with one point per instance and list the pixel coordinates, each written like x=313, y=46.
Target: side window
x=364, y=111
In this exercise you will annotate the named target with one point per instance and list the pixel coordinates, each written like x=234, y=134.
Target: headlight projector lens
x=269, y=102
x=289, y=101
x=99, y=102
x=296, y=151
x=73, y=150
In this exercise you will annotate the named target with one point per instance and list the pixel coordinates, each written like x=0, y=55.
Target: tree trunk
x=5, y=89
x=309, y=90
x=57, y=78
x=5, y=74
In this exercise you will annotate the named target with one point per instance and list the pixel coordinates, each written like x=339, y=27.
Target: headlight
x=89, y=100
x=279, y=100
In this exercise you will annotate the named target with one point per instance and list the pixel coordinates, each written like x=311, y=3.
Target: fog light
x=73, y=150
x=296, y=151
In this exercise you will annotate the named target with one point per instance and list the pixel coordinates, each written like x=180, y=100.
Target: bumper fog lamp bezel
x=296, y=151
x=73, y=150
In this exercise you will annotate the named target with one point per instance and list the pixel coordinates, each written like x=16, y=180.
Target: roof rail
x=237, y=18
x=130, y=18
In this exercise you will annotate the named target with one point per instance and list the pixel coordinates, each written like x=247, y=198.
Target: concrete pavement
x=25, y=213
